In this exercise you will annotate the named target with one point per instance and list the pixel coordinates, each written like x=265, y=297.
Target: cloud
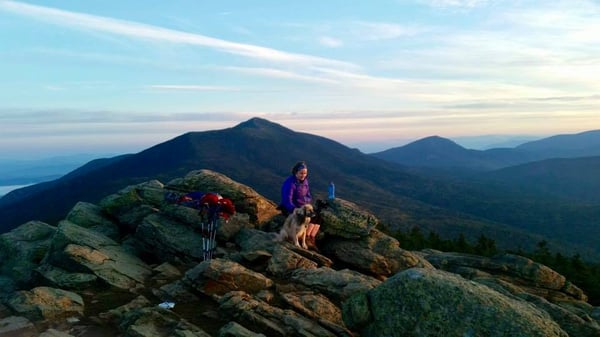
x=149, y=32
x=330, y=42
x=316, y=77
x=191, y=87
x=376, y=31
x=455, y=3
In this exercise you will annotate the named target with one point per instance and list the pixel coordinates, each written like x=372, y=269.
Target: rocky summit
x=133, y=266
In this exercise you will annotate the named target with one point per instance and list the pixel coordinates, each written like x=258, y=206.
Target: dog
x=295, y=225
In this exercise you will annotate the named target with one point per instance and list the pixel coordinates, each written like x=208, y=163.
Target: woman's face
x=301, y=174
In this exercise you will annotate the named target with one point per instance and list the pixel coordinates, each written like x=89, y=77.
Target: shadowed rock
x=22, y=249
x=46, y=303
x=218, y=276
x=245, y=199
x=345, y=219
x=428, y=302
x=78, y=249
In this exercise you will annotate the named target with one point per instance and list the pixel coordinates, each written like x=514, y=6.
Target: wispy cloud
x=285, y=74
x=455, y=3
x=192, y=87
x=149, y=32
x=376, y=31
x=66, y=117
x=331, y=42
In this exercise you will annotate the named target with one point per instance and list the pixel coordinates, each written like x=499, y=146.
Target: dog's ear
x=301, y=215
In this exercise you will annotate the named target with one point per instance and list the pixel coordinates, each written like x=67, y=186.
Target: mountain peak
x=256, y=123
x=432, y=151
x=436, y=143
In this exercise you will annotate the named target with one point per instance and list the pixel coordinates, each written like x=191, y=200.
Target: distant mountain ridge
x=438, y=152
x=442, y=153
x=568, y=178
x=584, y=144
x=260, y=153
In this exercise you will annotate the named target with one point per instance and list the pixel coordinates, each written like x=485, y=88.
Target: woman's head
x=300, y=170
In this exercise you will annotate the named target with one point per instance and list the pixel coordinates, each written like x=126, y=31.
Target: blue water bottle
x=331, y=191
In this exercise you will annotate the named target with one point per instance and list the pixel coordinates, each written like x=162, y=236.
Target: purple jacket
x=294, y=193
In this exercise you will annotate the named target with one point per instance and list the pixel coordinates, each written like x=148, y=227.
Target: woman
x=295, y=193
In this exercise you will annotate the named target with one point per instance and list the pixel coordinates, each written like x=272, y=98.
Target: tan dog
x=295, y=225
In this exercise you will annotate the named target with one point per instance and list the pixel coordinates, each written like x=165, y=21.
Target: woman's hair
x=299, y=166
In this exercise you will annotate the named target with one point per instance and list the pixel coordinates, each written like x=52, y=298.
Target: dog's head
x=306, y=211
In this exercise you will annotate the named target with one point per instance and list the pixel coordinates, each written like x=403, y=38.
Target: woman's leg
x=312, y=230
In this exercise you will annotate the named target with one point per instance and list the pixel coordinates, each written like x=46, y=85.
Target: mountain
x=441, y=153
x=256, y=151
x=438, y=152
x=553, y=197
x=574, y=179
x=260, y=153
x=584, y=144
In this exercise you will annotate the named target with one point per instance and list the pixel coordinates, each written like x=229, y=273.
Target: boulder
x=245, y=199
x=219, y=276
x=60, y=278
x=157, y=322
x=165, y=272
x=430, y=302
x=17, y=326
x=376, y=254
x=314, y=305
x=115, y=315
x=179, y=291
x=338, y=285
x=45, y=303
x=233, y=329
x=78, y=249
x=133, y=203
x=22, y=249
x=535, y=277
x=190, y=217
x=90, y=216
x=252, y=240
x=7, y=286
x=284, y=261
x=267, y=319
x=574, y=322
x=167, y=240
x=4, y=311
x=345, y=219
x=54, y=333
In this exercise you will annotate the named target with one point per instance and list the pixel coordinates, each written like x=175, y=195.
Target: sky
x=120, y=76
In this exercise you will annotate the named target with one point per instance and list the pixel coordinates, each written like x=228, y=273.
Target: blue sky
x=120, y=76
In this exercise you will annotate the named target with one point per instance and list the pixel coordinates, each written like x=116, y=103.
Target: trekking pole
x=213, y=245
x=203, y=240
x=217, y=219
x=213, y=234
x=209, y=237
x=208, y=242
